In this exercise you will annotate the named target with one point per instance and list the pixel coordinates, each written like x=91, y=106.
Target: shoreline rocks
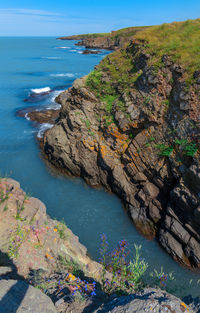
x=43, y=116
x=87, y=51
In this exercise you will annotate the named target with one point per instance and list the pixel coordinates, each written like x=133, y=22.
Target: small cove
x=34, y=63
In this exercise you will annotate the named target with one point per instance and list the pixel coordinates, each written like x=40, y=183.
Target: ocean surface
x=32, y=72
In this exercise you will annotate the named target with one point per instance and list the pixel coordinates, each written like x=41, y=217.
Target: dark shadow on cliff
x=12, y=300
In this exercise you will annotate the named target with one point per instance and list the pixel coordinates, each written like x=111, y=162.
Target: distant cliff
x=110, y=41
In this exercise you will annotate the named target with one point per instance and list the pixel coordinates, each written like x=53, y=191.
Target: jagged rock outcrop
x=31, y=241
x=108, y=43
x=144, y=149
x=102, y=42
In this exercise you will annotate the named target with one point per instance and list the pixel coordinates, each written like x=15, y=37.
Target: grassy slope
x=180, y=40
x=124, y=32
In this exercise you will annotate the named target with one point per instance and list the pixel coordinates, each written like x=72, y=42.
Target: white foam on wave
x=73, y=50
x=51, y=58
x=53, y=105
x=27, y=117
x=43, y=128
x=63, y=47
x=63, y=75
x=41, y=90
x=80, y=52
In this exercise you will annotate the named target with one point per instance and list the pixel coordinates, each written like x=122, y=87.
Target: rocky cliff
x=30, y=255
x=132, y=126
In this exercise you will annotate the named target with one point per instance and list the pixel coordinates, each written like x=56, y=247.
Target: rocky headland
x=40, y=259
x=132, y=126
x=109, y=41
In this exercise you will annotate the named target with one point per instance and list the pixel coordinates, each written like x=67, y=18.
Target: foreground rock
x=148, y=301
x=31, y=241
x=18, y=296
x=30, y=249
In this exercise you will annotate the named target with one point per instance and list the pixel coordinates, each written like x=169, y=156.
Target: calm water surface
x=29, y=64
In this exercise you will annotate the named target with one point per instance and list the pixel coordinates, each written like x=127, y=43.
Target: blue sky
x=63, y=17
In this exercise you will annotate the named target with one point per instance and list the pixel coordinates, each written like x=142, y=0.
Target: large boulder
x=18, y=296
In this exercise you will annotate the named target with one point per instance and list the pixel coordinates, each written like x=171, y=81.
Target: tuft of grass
x=164, y=150
x=61, y=229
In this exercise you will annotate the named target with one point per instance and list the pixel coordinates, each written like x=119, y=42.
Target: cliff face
x=132, y=126
x=109, y=43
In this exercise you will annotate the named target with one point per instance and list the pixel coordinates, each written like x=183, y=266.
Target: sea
x=33, y=71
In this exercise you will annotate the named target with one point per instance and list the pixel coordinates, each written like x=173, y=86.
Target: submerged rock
x=87, y=51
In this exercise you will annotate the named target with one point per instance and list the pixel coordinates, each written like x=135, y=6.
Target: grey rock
x=192, y=178
x=140, y=177
x=151, y=190
x=197, y=215
x=16, y=296
x=148, y=301
x=154, y=213
x=172, y=245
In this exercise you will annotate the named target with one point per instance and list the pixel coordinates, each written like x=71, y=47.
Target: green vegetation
x=61, y=229
x=188, y=148
x=105, y=89
x=109, y=100
x=124, y=32
x=16, y=239
x=180, y=40
x=126, y=275
x=164, y=150
x=129, y=274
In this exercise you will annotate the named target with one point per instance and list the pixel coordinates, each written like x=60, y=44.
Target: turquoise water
x=35, y=63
